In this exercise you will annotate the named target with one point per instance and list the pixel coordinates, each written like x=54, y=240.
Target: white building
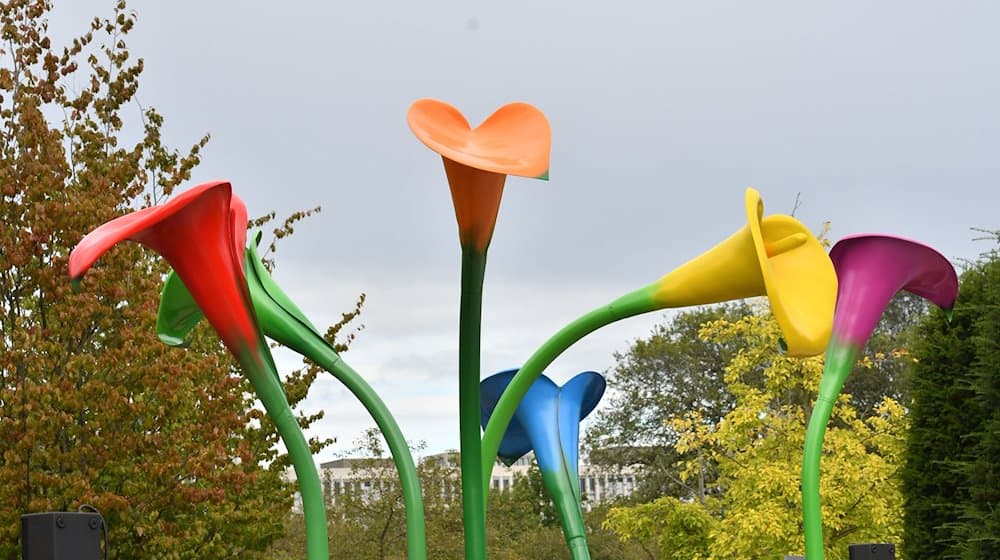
x=597, y=484
x=355, y=475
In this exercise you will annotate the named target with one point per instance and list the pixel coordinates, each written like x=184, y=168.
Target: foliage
x=526, y=505
x=952, y=475
x=673, y=529
x=667, y=374
x=757, y=448
x=524, y=524
x=292, y=543
x=674, y=371
x=884, y=371
x=93, y=408
x=367, y=521
x=605, y=543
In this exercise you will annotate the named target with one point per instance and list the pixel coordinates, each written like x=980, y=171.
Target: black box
x=872, y=551
x=61, y=535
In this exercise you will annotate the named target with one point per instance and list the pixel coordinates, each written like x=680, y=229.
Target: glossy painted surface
x=514, y=140
x=776, y=256
x=283, y=321
x=194, y=232
x=871, y=268
x=548, y=419
x=476, y=195
x=276, y=313
x=201, y=233
x=178, y=313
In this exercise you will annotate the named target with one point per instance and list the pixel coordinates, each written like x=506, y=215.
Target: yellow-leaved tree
x=756, y=449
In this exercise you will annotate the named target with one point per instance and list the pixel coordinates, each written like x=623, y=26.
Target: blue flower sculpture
x=547, y=421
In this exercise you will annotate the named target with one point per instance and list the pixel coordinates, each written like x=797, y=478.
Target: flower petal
x=514, y=140
x=515, y=443
x=873, y=267
x=263, y=286
x=102, y=239
x=775, y=256
x=799, y=278
x=548, y=418
x=238, y=225
x=178, y=313
x=586, y=389
x=192, y=232
x=577, y=398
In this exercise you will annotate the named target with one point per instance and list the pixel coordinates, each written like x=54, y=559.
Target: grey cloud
x=882, y=115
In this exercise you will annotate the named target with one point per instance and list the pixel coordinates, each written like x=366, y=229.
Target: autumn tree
x=166, y=443
x=757, y=450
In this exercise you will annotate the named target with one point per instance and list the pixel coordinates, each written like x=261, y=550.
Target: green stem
x=629, y=305
x=839, y=362
x=320, y=352
x=469, y=321
x=283, y=321
x=263, y=376
x=561, y=488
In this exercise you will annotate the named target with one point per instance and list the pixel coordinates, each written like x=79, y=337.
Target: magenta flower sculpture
x=871, y=269
x=201, y=233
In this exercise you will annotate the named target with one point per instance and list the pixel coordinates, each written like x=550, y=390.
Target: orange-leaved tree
x=165, y=442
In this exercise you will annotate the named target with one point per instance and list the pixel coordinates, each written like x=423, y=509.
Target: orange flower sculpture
x=515, y=140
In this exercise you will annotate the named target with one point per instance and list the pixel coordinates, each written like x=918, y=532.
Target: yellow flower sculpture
x=775, y=256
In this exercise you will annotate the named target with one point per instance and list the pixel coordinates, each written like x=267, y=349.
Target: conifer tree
x=951, y=481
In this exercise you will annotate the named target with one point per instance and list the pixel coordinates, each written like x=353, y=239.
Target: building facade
x=597, y=484
x=360, y=475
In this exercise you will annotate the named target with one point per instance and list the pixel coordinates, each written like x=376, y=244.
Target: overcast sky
x=881, y=116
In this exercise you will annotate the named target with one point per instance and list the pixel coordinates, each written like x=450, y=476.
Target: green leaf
x=178, y=312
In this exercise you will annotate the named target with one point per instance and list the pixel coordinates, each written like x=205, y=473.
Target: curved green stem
x=561, y=488
x=469, y=325
x=263, y=376
x=629, y=305
x=320, y=352
x=839, y=362
x=283, y=321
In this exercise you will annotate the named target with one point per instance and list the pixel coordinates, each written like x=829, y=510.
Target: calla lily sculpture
x=515, y=140
x=775, y=256
x=201, y=233
x=870, y=268
x=281, y=320
x=548, y=422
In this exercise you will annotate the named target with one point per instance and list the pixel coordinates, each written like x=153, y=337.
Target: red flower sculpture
x=202, y=234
